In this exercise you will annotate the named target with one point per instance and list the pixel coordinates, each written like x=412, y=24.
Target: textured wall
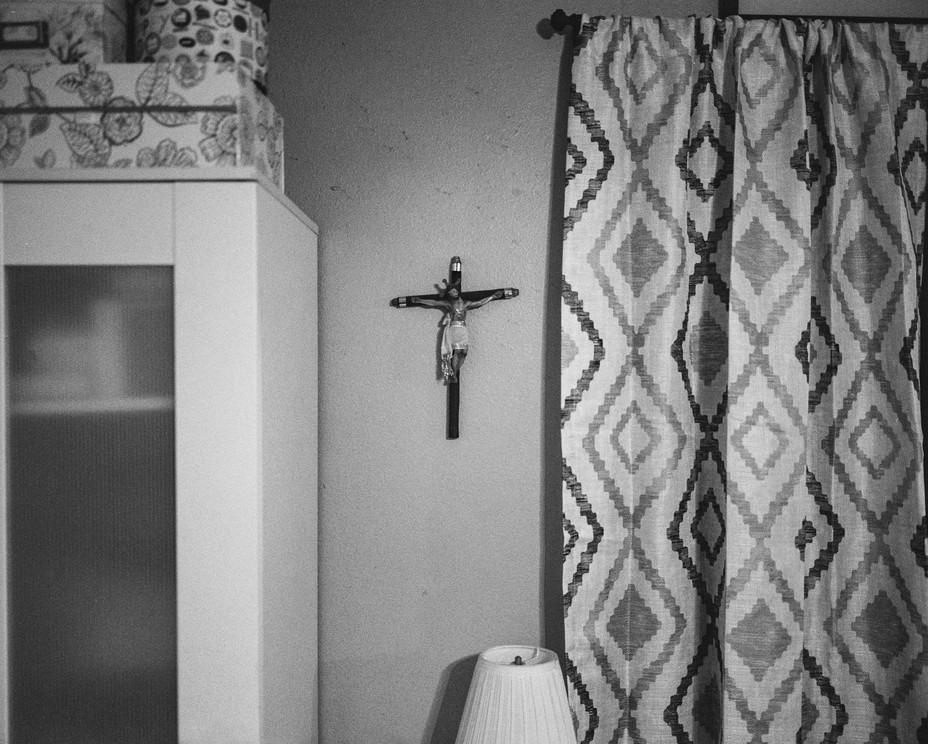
x=415, y=131
x=414, y=135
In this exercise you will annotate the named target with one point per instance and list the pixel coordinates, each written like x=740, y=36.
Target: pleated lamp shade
x=517, y=704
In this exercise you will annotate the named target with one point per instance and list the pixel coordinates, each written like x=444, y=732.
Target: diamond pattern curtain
x=743, y=484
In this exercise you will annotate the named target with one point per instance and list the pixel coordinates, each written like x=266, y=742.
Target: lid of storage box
x=264, y=5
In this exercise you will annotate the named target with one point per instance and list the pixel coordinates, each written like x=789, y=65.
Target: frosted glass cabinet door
x=92, y=598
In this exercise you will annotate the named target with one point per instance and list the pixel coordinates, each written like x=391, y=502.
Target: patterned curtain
x=743, y=487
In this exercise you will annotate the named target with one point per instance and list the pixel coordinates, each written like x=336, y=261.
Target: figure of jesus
x=454, y=341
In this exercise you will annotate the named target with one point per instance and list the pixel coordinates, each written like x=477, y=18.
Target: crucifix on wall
x=455, y=304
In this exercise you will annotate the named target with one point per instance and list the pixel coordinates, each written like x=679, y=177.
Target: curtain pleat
x=743, y=480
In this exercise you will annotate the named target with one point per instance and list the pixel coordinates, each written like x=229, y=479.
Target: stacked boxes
x=181, y=111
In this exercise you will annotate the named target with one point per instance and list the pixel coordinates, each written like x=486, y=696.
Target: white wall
x=415, y=131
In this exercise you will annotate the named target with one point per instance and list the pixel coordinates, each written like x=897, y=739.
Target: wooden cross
x=454, y=304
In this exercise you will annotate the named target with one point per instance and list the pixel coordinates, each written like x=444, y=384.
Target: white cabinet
x=159, y=450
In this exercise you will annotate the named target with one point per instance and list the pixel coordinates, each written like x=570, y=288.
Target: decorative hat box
x=230, y=31
x=63, y=31
x=161, y=115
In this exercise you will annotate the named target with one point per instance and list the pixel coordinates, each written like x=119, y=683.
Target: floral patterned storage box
x=182, y=114
x=63, y=31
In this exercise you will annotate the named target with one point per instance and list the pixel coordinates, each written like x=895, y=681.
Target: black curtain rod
x=731, y=7
x=560, y=21
x=852, y=19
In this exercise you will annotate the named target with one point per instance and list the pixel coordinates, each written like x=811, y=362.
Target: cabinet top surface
x=156, y=175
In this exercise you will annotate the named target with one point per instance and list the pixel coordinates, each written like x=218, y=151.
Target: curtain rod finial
x=560, y=21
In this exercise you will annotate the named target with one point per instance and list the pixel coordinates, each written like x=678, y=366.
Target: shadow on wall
x=552, y=560
x=455, y=681
x=449, y=704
